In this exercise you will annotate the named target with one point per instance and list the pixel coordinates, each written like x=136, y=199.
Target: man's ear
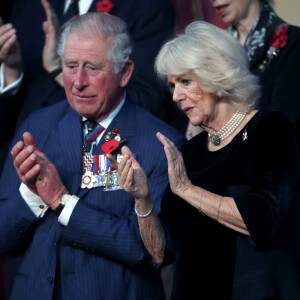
x=126, y=73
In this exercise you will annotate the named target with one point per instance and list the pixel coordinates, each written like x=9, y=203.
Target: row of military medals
x=96, y=167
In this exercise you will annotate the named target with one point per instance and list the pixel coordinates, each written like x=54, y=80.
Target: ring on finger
x=39, y=178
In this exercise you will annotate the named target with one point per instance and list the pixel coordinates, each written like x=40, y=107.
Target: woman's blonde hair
x=217, y=60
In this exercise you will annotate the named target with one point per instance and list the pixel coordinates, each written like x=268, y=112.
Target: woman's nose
x=177, y=94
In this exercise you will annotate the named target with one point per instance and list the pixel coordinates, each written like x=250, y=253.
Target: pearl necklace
x=227, y=129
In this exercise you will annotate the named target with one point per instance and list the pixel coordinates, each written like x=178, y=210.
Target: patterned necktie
x=90, y=133
x=71, y=12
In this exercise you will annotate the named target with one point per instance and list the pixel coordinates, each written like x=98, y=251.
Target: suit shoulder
x=294, y=32
x=272, y=118
x=44, y=118
x=146, y=119
x=293, y=40
x=49, y=113
x=148, y=125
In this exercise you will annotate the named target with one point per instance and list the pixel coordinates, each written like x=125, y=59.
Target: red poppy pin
x=280, y=37
x=278, y=41
x=104, y=6
x=110, y=146
x=113, y=140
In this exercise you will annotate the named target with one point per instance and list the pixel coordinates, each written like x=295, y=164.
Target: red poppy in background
x=104, y=6
x=280, y=38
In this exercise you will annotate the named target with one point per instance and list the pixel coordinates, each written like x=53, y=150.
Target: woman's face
x=233, y=11
x=198, y=105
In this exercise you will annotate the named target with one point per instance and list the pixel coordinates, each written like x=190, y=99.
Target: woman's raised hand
x=179, y=181
x=132, y=178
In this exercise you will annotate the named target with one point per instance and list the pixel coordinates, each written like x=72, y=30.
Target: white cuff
x=65, y=214
x=34, y=202
x=11, y=89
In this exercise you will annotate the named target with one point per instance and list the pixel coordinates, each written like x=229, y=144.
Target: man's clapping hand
x=37, y=172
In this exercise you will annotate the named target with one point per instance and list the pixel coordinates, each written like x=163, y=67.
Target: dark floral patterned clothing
x=279, y=73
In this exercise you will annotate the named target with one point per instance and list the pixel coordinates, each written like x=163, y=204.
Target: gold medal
x=107, y=181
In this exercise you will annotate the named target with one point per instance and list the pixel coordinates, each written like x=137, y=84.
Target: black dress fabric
x=257, y=169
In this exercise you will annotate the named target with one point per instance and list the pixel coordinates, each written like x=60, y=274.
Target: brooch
x=245, y=135
x=113, y=141
x=278, y=41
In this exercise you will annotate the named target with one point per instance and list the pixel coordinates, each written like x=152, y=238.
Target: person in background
x=272, y=46
x=228, y=217
x=61, y=206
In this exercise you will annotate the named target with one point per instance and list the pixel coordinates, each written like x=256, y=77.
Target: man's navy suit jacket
x=100, y=252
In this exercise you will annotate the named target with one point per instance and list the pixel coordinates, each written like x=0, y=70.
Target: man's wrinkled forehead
x=84, y=43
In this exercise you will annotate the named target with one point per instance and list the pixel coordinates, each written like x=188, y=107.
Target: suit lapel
x=70, y=135
x=124, y=122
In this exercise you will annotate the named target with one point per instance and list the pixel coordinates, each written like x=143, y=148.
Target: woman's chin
x=195, y=122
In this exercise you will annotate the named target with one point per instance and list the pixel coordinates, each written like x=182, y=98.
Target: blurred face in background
x=233, y=11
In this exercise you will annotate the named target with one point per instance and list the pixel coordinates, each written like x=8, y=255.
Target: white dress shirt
x=83, y=5
x=12, y=88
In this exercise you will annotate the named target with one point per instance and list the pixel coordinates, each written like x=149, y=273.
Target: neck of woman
x=244, y=26
x=220, y=115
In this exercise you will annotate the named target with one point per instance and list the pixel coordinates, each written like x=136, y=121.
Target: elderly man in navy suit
x=61, y=204
x=150, y=23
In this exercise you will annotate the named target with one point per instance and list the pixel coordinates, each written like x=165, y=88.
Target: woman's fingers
x=128, y=184
x=123, y=168
x=171, y=150
x=123, y=173
x=113, y=163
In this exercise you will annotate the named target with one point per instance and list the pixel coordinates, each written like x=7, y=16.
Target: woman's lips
x=188, y=110
x=221, y=9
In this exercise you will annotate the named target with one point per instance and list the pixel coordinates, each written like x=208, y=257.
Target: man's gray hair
x=217, y=60
x=105, y=26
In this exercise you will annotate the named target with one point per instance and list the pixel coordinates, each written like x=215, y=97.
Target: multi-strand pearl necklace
x=227, y=129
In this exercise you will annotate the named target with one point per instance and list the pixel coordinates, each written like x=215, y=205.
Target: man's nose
x=81, y=78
